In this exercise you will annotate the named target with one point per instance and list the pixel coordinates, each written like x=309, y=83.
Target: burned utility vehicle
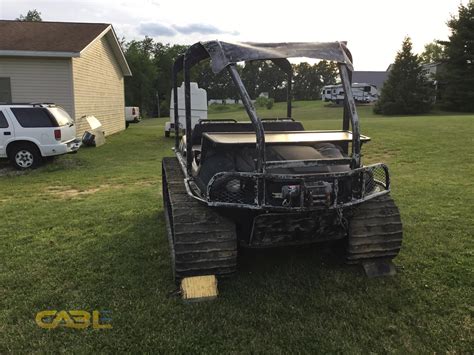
x=267, y=183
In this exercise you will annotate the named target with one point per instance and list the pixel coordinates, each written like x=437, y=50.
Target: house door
x=5, y=91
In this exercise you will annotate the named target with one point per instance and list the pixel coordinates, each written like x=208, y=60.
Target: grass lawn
x=87, y=232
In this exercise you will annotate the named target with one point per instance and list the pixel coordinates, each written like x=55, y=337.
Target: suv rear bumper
x=74, y=145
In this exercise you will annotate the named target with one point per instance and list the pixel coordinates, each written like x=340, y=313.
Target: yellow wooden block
x=199, y=288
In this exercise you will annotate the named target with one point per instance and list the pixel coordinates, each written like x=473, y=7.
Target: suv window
x=61, y=116
x=33, y=117
x=3, y=120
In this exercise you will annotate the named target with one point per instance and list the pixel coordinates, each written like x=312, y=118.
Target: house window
x=3, y=120
x=5, y=91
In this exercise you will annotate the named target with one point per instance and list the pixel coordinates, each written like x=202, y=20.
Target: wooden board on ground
x=379, y=268
x=199, y=288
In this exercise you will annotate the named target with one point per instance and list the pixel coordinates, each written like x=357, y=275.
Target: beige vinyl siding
x=99, y=87
x=40, y=80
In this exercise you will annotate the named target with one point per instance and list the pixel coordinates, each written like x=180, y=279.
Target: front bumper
x=262, y=191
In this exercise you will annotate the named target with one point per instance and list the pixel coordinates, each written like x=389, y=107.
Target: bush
x=261, y=101
x=164, y=108
x=270, y=103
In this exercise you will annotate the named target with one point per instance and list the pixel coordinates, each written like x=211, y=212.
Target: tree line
x=408, y=90
x=151, y=64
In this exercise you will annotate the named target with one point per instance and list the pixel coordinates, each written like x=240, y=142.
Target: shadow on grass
x=321, y=255
x=139, y=264
x=49, y=164
x=125, y=268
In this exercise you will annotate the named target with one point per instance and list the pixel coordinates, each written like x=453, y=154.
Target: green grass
x=87, y=232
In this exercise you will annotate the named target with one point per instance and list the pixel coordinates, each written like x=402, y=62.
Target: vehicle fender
x=23, y=139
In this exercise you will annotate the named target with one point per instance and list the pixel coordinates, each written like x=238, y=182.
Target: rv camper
x=362, y=92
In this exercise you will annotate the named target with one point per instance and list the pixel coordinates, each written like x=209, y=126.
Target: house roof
x=376, y=78
x=55, y=39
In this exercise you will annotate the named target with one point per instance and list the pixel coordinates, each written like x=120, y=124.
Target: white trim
x=121, y=56
x=115, y=48
x=8, y=53
x=99, y=36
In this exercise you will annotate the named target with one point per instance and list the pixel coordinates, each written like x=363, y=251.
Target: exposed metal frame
x=177, y=67
x=200, y=51
x=301, y=180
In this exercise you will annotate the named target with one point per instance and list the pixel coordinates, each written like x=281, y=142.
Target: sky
x=374, y=29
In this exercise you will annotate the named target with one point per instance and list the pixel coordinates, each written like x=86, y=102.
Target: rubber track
x=202, y=241
x=375, y=231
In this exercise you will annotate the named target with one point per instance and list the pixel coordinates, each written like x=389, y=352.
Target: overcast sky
x=374, y=29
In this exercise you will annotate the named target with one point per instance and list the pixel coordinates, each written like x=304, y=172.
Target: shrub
x=261, y=101
x=270, y=103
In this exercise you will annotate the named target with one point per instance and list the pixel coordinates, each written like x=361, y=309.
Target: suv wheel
x=25, y=156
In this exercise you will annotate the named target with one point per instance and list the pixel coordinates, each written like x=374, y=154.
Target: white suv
x=31, y=132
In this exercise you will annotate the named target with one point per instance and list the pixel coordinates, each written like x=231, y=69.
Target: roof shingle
x=376, y=78
x=48, y=36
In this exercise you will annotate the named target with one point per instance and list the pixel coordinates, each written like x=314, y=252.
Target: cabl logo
x=76, y=319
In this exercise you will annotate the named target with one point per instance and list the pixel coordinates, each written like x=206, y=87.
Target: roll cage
x=225, y=55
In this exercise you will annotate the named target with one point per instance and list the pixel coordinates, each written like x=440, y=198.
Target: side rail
x=333, y=190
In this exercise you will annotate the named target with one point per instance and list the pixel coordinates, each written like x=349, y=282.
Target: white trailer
x=198, y=108
x=333, y=93
x=362, y=92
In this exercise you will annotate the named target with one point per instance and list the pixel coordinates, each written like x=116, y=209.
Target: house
x=79, y=66
x=432, y=69
x=376, y=78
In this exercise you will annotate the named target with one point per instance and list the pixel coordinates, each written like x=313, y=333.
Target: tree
x=310, y=79
x=151, y=64
x=456, y=77
x=218, y=86
x=140, y=89
x=164, y=56
x=32, y=15
x=251, y=78
x=327, y=71
x=272, y=80
x=306, y=83
x=406, y=90
x=433, y=53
